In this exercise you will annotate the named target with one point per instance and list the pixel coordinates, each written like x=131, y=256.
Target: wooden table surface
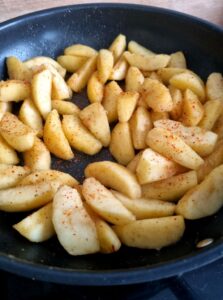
x=211, y=10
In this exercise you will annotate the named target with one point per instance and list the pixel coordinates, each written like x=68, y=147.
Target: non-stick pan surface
x=48, y=33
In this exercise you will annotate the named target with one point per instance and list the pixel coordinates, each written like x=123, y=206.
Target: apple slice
x=151, y=233
x=123, y=152
x=146, y=208
x=54, y=137
x=24, y=198
x=94, y=117
x=74, y=227
x=38, y=226
x=153, y=167
x=114, y=176
x=102, y=201
x=126, y=104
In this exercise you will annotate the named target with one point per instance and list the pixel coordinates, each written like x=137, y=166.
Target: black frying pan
x=48, y=33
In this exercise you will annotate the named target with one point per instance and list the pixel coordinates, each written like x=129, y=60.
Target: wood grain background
x=211, y=10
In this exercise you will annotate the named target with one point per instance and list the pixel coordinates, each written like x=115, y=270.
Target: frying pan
x=48, y=33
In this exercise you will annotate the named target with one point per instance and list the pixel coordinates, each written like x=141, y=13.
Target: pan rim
x=143, y=274
x=67, y=8
x=119, y=276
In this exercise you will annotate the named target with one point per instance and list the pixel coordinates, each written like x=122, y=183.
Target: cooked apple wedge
x=214, y=86
x=118, y=46
x=135, y=47
x=11, y=175
x=94, y=117
x=156, y=95
x=65, y=107
x=38, y=157
x=140, y=124
x=151, y=233
x=120, y=69
x=79, y=80
x=14, y=90
x=147, y=62
x=18, y=135
x=204, y=199
x=30, y=116
x=23, y=198
x=60, y=90
x=173, y=147
x=170, y=189
x=41, y=91
x=212, y=111
x=192, y=110
x=74, y=227
x=211, y=161
x=95, y=88
x=146, y=208
x=17, y=69
x=189, y=80
x=108, y=239
x=177, y=98
x=177, y=60
x=41, y=60
x=7, y=154
x=104, y=64
x=154, y=167
x=167, y=73
x=54, y=137
x=71, y=62
x=121, y=146
x=49, y=175
x=80, y=50
x=134, y=79
x=38, y=226
x=78, y=135
x=126, y=104
x=102, y=201
x=201, y=141
x=114, y=176
x=111, y=93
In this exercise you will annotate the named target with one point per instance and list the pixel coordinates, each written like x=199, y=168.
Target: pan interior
x=97, y=25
